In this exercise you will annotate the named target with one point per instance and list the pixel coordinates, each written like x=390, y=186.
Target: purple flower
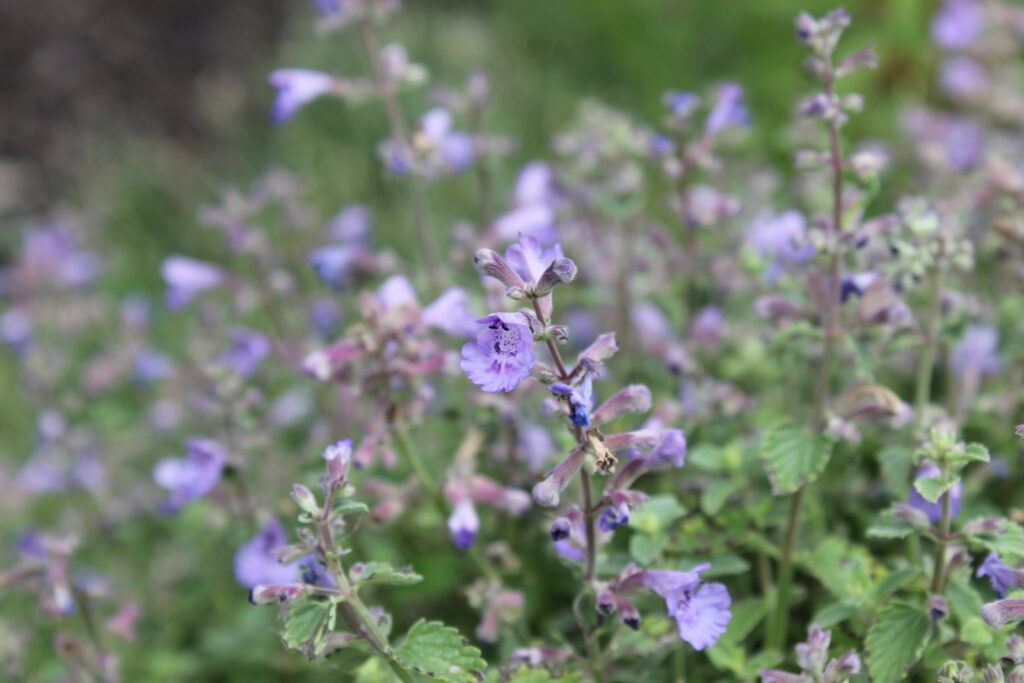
x=701, y=610
x=16, y=329
x=963, y=143
x=352, y=224
x=782, y=238
x=534, y=205
x=325, y=317
x=446, y=150
x=1002, y=576
x=151, y=366
x=247, y=352
x=529, y=259
x=536, y=445
x=396, y=292
x=681, y=104
x=333, y=264
x=450, y=314
x=186, y=278
x=255, y=564
x=934, y=510
x=706, y=328
x=463, y=524
x=958, y=24
x=502, y=355
x=613, y=516
x=193, y=476
x=670, y=450
x=581, y=399
x=978, y=352
x=728, y=111
x=296, y=88
x=963, y=76
x=855, y=284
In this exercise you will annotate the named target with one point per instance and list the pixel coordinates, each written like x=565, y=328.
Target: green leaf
x=646, y=549
x=657, y=514
x=384, y=574
x=1008, y=543
x=306, y=625
x=438, y=651
x=896, y=463
x=931, y=489
x=895, y=641
x=714, y=496
x=972, y=452
x=833, y=614
x=350, y=507
x=793, y=457
x=889, y=525
x=844, y=569
x=893, y=582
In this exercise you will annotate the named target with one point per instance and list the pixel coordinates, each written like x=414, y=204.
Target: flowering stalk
x=400, y=133
x=821, y=36
x=355, y=612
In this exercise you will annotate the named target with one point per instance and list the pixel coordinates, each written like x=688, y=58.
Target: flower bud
x=305, y=499
x=560, y=529
x=547, y=492
x=847, y=664
x=628, y=613
x=605, y=346
x=992, y=674
x=938, y=608
x=491, y=263
x=1001, y=612
x=636, y=398
x=281, y=594
x=605, y=603
x=561, y=271
x=811, y=655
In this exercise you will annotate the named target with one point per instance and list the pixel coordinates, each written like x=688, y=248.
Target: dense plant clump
x=670, y=411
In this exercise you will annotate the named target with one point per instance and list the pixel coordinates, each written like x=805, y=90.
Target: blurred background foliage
x=143, y=179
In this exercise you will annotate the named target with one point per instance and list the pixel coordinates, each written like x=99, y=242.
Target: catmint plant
x=313, y=588
x=502, y=358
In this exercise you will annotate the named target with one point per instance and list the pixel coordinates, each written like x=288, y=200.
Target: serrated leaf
x=895, y=641
x=384, y=574
x=889, y=525
x=972, y=452
x=438, y=651
x=714, y=496
x=306, y=624
x=892, y=583
x=932, y=488
x=793, y=457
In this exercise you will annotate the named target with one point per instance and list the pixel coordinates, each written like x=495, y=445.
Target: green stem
x=400, y=132
x=831, y=327
x=926, y=363
x=436, y=495
x=779, y=625
x=940, y=548
x=355, y=612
